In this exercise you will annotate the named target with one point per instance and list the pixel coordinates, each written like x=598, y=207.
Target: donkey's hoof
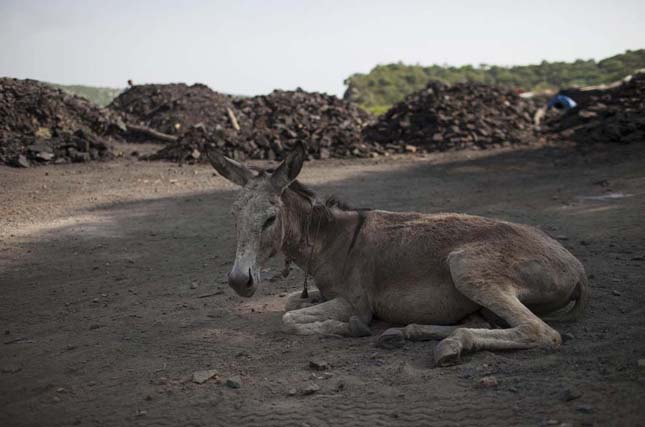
x=358, y=328
x=390, y=339
x=447, y=352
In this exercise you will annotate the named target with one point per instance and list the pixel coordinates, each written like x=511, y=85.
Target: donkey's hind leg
x=396, y=337
x=499, y=295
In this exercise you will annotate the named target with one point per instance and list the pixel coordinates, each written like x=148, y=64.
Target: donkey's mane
x=307, y=193
x=330, y=202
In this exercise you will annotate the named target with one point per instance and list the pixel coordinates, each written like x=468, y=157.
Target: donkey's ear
x=289, y=169
x=229, y=168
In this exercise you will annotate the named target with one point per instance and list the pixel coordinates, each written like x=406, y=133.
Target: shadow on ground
x=105, y=320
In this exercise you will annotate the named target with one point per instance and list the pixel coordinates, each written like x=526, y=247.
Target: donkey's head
x=259, y=214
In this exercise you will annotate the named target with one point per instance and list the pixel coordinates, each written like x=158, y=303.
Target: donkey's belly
x=423, y=303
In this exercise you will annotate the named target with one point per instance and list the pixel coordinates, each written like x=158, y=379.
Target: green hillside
x=387, y=84
x=101, y=96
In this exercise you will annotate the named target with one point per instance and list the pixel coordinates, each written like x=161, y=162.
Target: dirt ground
x=113, y=293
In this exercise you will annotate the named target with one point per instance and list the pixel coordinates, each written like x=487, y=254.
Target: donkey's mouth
x=244, y=285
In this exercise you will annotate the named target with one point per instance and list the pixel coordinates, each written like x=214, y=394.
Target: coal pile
x=266, y=127
x=613, y=115
x=464, y=115
x=40, y=124
x=174, y=108
x=329, y=126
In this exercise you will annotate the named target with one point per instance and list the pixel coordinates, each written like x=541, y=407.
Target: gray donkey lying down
x=434, y=273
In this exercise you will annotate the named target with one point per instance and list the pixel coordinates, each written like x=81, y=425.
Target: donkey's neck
x=311, y=233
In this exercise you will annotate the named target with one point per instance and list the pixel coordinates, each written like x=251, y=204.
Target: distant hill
x=387, y=84
x=101, y=96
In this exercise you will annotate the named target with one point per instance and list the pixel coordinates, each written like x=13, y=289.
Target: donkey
x=431, y=272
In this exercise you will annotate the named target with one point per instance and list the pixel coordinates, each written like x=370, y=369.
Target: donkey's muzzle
x=242, y=282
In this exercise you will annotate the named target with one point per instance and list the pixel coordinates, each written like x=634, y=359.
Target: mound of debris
x=40, y=124
x=442, y=117
x=613, y=114
x=329, y=126
x=265, y=127
x=173, y=109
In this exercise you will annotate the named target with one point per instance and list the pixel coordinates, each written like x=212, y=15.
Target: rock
x=292, y=392
x=641, y=363
x=310, y=389
x=318, y=365
x=584, y=408
x=410, y=148
x=234, y=382
x=567, y=336
x=615, y=293
x=21, y=162
x=11, y=369
x=567, y=395
x=200, y=377
x=487, y=381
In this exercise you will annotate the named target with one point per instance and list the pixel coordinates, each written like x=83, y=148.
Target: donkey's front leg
x=333, y=317
x=295, y=300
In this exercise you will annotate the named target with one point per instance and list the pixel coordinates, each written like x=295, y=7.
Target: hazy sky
x=254, y=46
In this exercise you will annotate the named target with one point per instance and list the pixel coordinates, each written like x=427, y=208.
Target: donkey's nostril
x=250, y=282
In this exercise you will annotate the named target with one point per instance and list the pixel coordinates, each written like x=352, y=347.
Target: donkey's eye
x=268, y=222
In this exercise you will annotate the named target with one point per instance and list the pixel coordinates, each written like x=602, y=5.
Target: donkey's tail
x=580, y=298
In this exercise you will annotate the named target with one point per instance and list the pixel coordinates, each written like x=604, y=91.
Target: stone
x=200, y=377
x=234, y=382
x=11, y=369
x=21, y=161
x=584, y=408
x=568, y=394
x=615, y=293
x=318, y=365
x=487, y=381
x=410, y=148
x=310, y=389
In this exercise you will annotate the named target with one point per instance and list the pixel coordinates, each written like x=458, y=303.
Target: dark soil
x=113, y=284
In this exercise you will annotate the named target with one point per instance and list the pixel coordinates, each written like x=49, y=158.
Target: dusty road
x=112, y=293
